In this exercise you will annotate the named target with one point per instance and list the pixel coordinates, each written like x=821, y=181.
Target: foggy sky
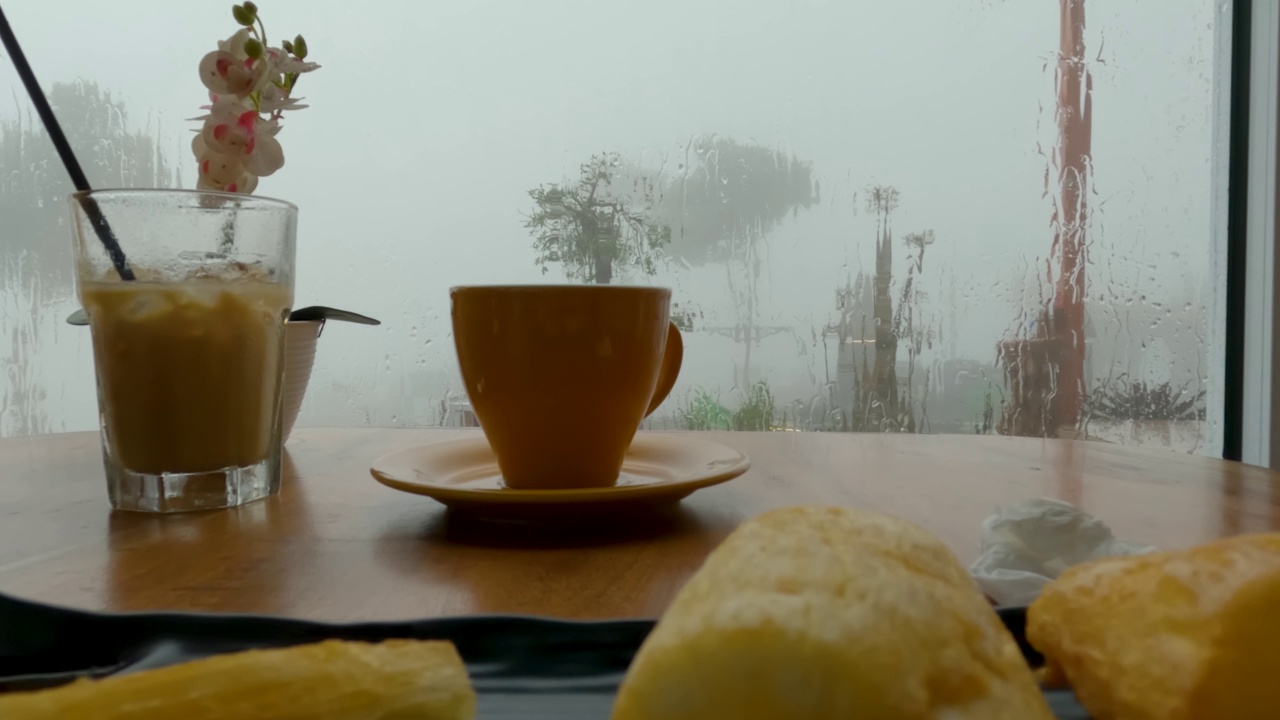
x=429, y=122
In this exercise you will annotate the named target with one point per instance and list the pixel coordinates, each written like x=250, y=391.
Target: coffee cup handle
x=671, y=361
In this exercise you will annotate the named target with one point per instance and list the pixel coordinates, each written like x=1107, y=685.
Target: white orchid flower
x=224, y=73
x=220, y=170
x=275, y=100
x=267, y=156
x=235, y=43
x=247, y=183
x=250, y=88
x=226, y=173
x=231, y=130
x=286, y=63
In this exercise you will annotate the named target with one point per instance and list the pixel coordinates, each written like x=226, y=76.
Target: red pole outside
x=1075, y=129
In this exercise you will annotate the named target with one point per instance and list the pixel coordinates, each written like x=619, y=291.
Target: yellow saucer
x=659, y=469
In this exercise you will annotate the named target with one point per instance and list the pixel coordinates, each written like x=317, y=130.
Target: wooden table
x=335, y=545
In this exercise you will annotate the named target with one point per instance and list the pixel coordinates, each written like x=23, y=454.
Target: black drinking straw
x=59, y=139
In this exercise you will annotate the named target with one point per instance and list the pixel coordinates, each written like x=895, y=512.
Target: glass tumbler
x=188, y=354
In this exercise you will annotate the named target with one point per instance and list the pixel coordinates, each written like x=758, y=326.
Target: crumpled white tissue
x=1032, y=542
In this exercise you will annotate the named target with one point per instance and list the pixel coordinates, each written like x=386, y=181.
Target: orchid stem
x=228, y=242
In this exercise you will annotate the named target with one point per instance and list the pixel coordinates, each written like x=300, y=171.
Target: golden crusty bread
x=1190, y=635
x=830, y=614
x=395, y=679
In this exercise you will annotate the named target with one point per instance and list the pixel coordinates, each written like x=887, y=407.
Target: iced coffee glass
x=188, y=355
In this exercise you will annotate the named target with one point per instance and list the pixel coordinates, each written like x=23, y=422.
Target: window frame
x=1251, y=383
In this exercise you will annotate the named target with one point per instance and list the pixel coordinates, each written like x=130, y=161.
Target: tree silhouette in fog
x=598, y=224
x=728, y=193
x=34, y=185
x=35, y=239
x=870, y=328
x=909, y=327
x=722, y=206
x=883, y=200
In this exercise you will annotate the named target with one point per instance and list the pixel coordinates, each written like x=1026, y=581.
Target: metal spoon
x=313, y=312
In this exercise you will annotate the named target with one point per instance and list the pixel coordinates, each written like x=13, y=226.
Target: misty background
x=430, y=123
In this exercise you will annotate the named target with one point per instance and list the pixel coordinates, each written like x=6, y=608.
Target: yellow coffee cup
x=560, y=376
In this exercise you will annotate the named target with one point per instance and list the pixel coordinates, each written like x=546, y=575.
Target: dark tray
x=525, y=668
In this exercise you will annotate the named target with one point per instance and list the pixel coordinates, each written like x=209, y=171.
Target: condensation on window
x=919, y=217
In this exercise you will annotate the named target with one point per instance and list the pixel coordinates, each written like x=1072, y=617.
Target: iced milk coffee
x=187, y=293
x=188, y=372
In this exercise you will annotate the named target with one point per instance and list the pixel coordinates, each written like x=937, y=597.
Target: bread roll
x=827, y=613
x=1191, y=635
x=334, y=680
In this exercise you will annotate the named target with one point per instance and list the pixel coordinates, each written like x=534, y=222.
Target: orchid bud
x=300, y=47
x=253, y=48
x=288, y=46
x=242, y=14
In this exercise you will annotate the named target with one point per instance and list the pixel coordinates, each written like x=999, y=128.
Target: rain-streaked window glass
x=918, y=216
